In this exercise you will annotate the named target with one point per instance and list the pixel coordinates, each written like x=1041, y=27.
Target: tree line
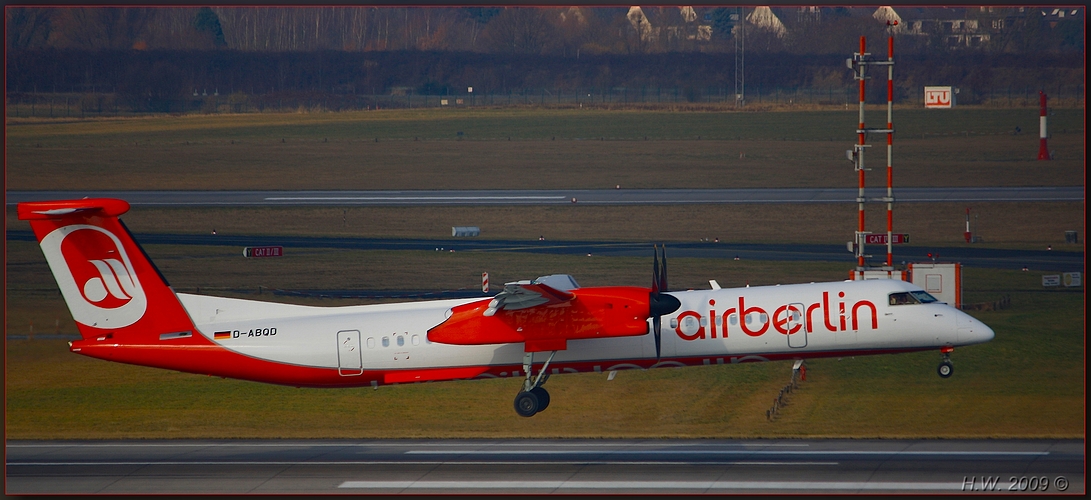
x=557, y=31
x=151, y=58
x=148, y=80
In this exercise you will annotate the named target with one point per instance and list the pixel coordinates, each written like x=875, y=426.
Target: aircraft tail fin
x=111, y=287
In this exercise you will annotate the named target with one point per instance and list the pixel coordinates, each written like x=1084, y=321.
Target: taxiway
x=545, y=466
x=556, y=197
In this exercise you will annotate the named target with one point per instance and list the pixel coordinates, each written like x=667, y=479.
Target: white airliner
x=126, y=312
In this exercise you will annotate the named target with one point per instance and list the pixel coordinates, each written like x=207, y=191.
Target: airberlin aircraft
x=126, y=312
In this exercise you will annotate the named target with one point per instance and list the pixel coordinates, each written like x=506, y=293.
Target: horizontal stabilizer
x=87, y=207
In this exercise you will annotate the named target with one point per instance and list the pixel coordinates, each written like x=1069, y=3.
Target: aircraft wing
x=545, y=318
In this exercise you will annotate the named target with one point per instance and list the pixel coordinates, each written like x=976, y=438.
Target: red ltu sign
x=263, y=251
x=880, y=239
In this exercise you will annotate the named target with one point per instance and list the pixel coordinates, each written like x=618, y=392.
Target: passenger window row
x=733, y=319
x=398, y=339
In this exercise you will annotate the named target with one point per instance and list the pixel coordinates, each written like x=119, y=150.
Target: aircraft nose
x=981, y=333
x=972, y=331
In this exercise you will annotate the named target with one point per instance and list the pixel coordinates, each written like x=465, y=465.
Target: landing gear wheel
x=543, y=397
x=527, y=404
x=945, y=369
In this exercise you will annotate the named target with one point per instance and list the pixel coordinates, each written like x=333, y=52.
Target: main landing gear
x=533, y=398
x=945, y=367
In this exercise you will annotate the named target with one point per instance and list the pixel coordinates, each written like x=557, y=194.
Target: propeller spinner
x=660, y=304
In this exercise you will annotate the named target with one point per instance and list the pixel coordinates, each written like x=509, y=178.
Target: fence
x=49, y=105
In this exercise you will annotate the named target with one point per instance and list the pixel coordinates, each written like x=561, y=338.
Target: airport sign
x=880, y=239
x=263, y=251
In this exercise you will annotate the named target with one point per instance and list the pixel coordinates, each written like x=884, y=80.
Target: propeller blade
x=663, y=271
x=660, y=304
x=655, y=269
x=657, y=324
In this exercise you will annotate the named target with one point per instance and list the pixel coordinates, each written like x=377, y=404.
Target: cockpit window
x=897, y=299
x=924, y=297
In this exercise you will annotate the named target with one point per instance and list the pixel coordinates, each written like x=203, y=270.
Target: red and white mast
x=890, y=153
x=969, y=236
x=859, y=64
x=1043, y=151
x=862, y=133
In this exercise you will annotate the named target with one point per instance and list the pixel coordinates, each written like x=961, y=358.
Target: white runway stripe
x=403, y=462
x=952, y=453
x=410, y=198
x=647, y=485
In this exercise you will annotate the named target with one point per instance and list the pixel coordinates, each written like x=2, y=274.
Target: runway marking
x=986, y=198
x=753, y=452
x=666, y=485
x=410, y=198
x=414, y=462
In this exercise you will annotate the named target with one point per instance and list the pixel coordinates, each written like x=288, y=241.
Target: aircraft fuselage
x=388, y=343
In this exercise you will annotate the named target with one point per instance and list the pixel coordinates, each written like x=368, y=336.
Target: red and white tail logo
x=95, y=276
x=112, y=289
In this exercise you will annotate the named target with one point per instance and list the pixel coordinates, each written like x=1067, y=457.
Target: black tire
x=543, y=398
x=945, y=369
x=526, y=404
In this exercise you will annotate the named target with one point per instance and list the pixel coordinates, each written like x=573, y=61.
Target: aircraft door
x=794, y=324
x=350, y=360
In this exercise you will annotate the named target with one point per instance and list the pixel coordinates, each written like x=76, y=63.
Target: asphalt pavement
x=618, y=196
x=969, y=255
x=566, y=466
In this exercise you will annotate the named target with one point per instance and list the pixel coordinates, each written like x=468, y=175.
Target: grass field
x=532, y=123
x=1028, y=382
x=546, y=149
x=1030, y=225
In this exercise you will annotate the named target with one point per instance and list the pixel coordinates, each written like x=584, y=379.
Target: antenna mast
x=859, y=63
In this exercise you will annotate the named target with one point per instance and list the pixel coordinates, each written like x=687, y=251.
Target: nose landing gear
x=533, y=398
x=945, y=368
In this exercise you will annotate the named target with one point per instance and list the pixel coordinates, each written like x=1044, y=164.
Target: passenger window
x=704, y=322
x=762, y=318
x=401, y=340
x=371, y=342
x=416, y=339
x=674, y=322
x=386, y=341
x=734, y=319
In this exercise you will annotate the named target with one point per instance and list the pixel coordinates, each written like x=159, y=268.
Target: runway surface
x=1033, y=260
x=545, y=466
x=556, y=197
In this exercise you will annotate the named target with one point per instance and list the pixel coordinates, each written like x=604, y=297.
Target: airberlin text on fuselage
x=786, y=319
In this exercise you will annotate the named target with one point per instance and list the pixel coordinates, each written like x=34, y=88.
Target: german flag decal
x=222, y=335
